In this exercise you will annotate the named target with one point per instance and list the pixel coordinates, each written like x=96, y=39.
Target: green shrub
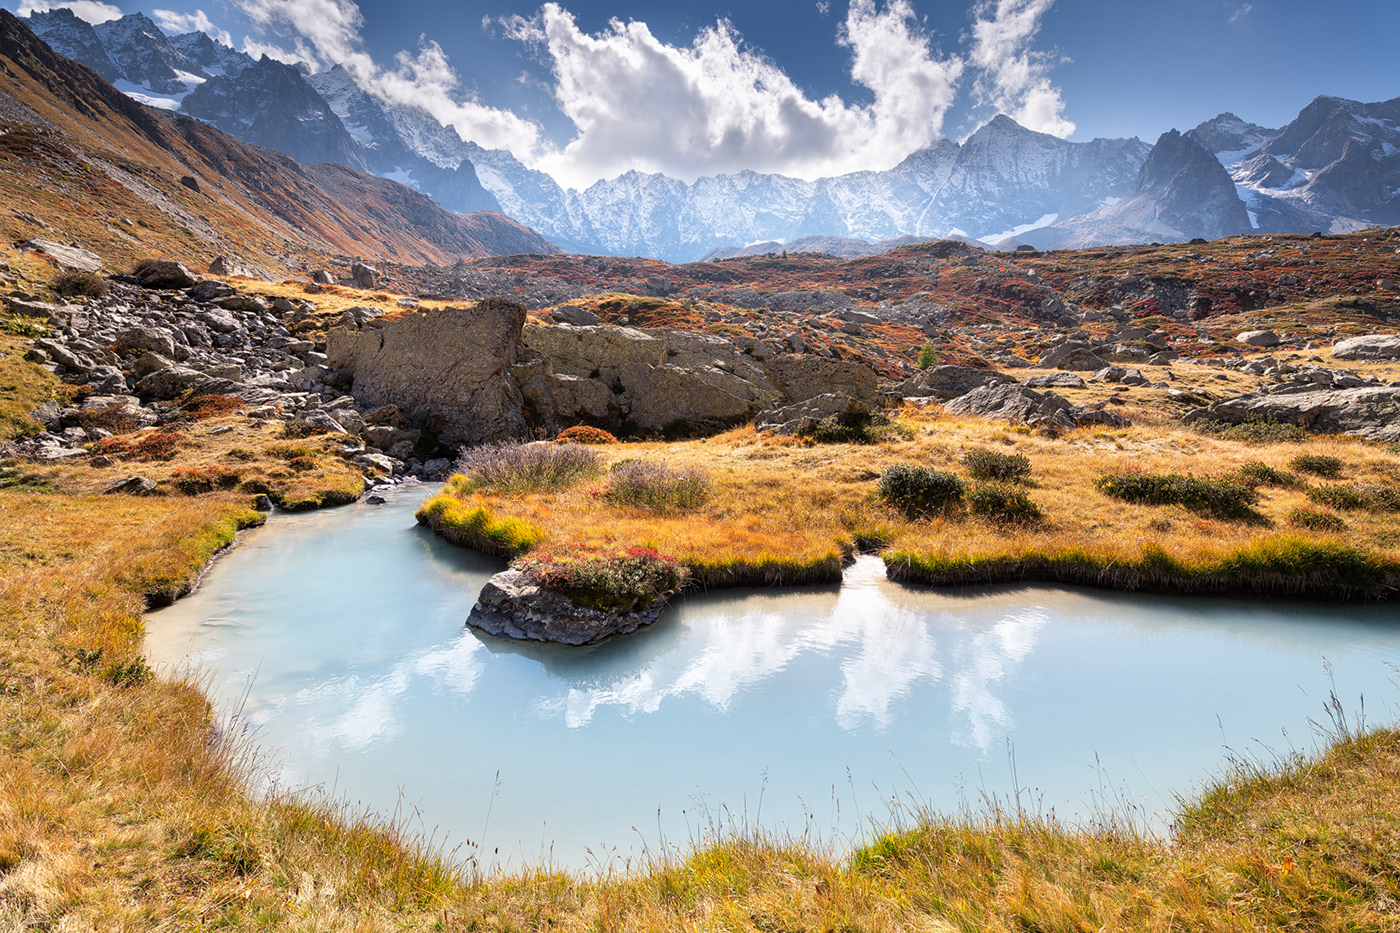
x=919, y=490
x=1253, y=432
x=632, y=578
x=1002, y=502
x=856, y=427
x=928, y=356
x=1315, y=520
x=514, y=467
x=1216, y=496
x=1317, y=464
x=1353, y=496
x=658, y=487
x=1257, y=473
x=999, y=467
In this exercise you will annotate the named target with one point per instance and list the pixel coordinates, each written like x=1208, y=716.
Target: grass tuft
x=651, y=485
x=512, y=467
x=1216, y=496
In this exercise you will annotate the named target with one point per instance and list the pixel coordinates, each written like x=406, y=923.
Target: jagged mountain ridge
x=87, y=163
x=1005, y=181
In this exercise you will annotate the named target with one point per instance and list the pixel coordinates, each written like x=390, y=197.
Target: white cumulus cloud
x=92, y=11
x=1013, y=78
x=198, y=21
x=330, y=32
x=720, y=106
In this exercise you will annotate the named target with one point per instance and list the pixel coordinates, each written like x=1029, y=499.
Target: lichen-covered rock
x=1015, y=403
x=950, y=381
x=511, y=606
x=1259, y=338
x=561, y=401
x=1369, y=347
x=1064, y=380
x=1370, y=411
x=69, y=257
x=596, y=352
x=802, y=377
x=658, y=396
x=1072, y=356
x=447, y=369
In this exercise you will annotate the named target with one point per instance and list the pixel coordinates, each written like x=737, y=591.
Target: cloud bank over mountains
x=716, y=105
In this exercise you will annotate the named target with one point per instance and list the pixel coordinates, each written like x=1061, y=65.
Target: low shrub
x=632, y=578
x=299, y=428
x=658, y=487
x=1317, y=464
x=1257, y=473
x=193, y=481
x=583, y=434
x=203, y=407
x=303, y=464
x=1216, y=496
x=157, y=446
x=998, y=467
x=79, y=285
x=1315, y=520
x=1354, y=496
x=513, y=467
x=919, y=490
x=1253, y=432
x=117, y=418
x=1002, y=502
x=854, y=428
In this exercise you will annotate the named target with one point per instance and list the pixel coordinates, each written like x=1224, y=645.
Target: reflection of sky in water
x=344, y=629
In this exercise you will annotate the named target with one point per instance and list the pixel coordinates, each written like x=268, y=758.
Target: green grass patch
x=477, y=527
x=920, y=491
x=1002, y=502
x=1323, y=465
x=1253, y=432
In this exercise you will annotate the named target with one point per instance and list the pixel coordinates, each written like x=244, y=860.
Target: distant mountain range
x=1335, y=168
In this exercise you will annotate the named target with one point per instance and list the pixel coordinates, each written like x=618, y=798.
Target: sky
x=588, y=89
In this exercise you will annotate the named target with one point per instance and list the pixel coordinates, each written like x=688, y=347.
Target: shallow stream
x=339, y=637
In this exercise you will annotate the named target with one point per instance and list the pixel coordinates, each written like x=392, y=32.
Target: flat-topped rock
x=511, y=606
x=1369, y=347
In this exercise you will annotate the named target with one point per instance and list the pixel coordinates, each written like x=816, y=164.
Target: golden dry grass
x=782, y=507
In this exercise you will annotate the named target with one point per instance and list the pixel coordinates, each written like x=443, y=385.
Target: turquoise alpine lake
x=339, y=638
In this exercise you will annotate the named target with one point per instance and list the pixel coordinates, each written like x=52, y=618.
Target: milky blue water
x=338, y=636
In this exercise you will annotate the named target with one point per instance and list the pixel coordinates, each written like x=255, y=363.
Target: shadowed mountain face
x=126, y=180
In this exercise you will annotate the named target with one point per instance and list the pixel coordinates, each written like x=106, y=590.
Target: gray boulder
x=132, y=486
x=1015, y=403
x=595, y=352
x=1369, y=347
x=1064, y=380
x=572, y=314
x=1072, y=356
x=950, y=381
x=560, y=401
x=365, y=276
x=165, y=273
x=801, y=417
x=510, y=606
x=658, y=396
x=1259, y=338
x=171, y=383
x=141, y=337
x=1370, y=411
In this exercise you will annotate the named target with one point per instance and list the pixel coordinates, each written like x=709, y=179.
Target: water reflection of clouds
x=888, y=646
x=982, y=664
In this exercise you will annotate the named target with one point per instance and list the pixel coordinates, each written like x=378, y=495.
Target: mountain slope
x=106, y=171
x=1181, y=193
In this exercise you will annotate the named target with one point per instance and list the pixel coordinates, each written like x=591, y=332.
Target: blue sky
x=589, y=88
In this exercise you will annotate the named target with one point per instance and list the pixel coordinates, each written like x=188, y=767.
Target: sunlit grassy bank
x=787, y=511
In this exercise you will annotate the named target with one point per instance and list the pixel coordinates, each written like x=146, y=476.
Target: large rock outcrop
x=480, y=374
x=1368, y=411
x=448, y=369
x=1369, y=347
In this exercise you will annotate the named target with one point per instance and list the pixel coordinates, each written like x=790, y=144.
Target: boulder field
x=479, y=374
